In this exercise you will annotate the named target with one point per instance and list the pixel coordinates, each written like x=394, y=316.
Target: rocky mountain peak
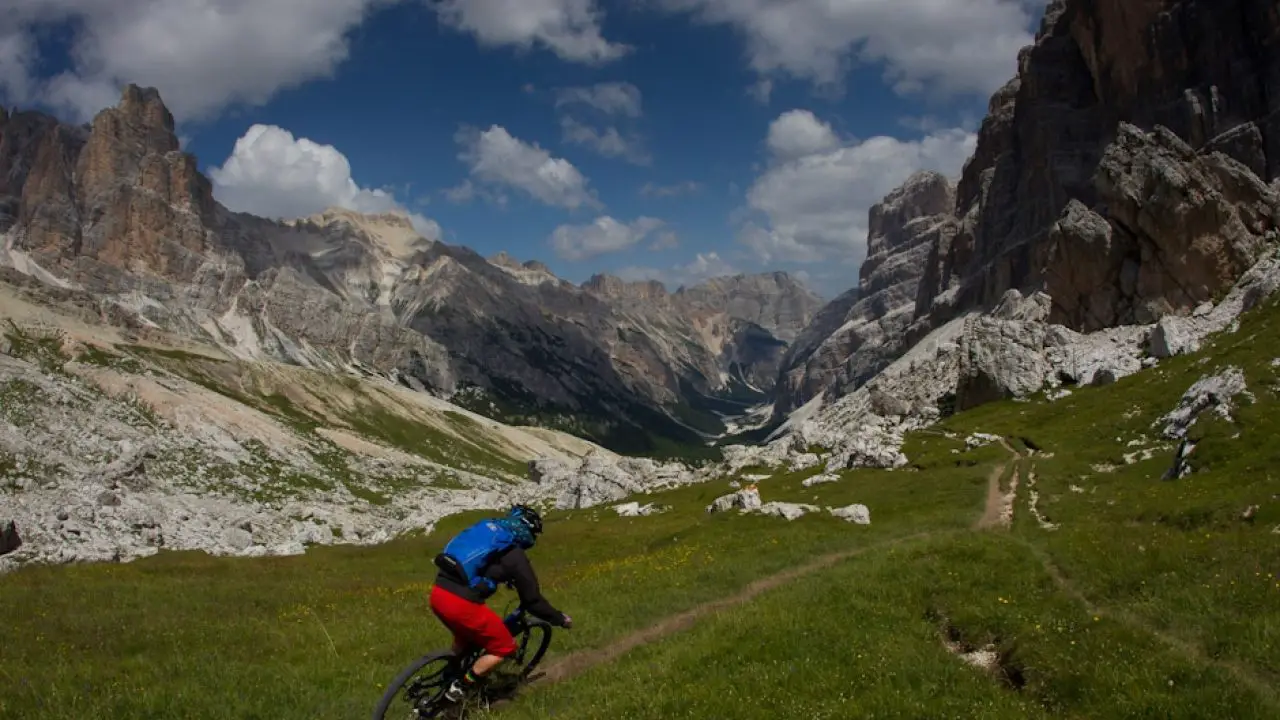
x=390, y=218
x=1203, y=70
x=391, y=231
x=856, y=335
x=114, y=196
x=615, y=288
x=503, y=259
x=924, y=194
x=529, y=273
x=141, y=110
x=739, y=282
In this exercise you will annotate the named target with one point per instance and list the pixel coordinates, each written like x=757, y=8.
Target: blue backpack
x=467, y=554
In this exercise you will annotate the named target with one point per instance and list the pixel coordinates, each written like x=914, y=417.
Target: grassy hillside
x=1135, y=597
x=338, y=420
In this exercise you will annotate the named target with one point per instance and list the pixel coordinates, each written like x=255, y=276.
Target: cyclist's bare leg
x=482, y=666
x=485, y=664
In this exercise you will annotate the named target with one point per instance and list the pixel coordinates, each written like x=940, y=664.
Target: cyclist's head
x=528, y=517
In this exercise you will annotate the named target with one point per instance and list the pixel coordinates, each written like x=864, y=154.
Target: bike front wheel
x=418, y=691
x=533, y=640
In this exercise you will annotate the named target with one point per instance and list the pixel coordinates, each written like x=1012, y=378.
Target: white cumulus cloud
x=496, y=157
x=812, y=207
x=951, y=45
x=797, y=133
x=270, y=173
x=568, y=28
x=602, y=236
x=203, y=55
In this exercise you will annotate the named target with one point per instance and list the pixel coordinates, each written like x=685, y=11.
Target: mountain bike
x=418, y=691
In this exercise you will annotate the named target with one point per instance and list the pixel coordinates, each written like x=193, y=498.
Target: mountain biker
x=490, y=552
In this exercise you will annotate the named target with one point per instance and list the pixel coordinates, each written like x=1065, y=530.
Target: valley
x=1109, y=589
x=1025, y=465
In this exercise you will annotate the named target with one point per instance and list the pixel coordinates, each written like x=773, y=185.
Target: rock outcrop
x=1107, y=168
x=857, y=514
x=1008, y=352
x=116, y=210
x=601, y=477
x=747, y=499
x=635, y=509
x=1215, y=392
x=862, y=331
x=1179, y=227
x=1181, y=334
x=787, y=511
x=1127, y=176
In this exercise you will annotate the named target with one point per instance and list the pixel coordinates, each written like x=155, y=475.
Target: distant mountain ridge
x=117, y=210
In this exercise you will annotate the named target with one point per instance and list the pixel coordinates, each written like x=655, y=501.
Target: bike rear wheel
x=423, y=695
x=424, y=682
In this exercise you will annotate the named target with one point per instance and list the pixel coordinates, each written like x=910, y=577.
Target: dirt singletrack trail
x=999, y=508
x=997, y=512
x=582, y=660
x=991, y=513
x=1264, y=687
x=577, y=662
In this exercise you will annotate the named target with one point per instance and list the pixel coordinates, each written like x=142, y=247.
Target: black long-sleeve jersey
x=513, y=567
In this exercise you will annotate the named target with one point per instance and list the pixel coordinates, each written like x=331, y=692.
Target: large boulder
x=601, y=477
x=787, y=511
x=856, y=513
x=635, y=509
x=1001, y=354
x=746, y=499
x=1215, y=392
x=1180, y=334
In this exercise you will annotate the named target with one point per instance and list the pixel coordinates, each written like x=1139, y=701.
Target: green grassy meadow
x=1149, y=598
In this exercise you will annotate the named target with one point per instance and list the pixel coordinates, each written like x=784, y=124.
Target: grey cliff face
x=775, y=301
x=116, y=210
x=1180, y=226
x=736, y=327
x=859, y=333
x=1207, y=72
x=1128, y=173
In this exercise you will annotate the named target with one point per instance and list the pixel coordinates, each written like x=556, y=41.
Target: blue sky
x=668, y=139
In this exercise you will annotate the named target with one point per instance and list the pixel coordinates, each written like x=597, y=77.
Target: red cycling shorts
x=473, y=624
